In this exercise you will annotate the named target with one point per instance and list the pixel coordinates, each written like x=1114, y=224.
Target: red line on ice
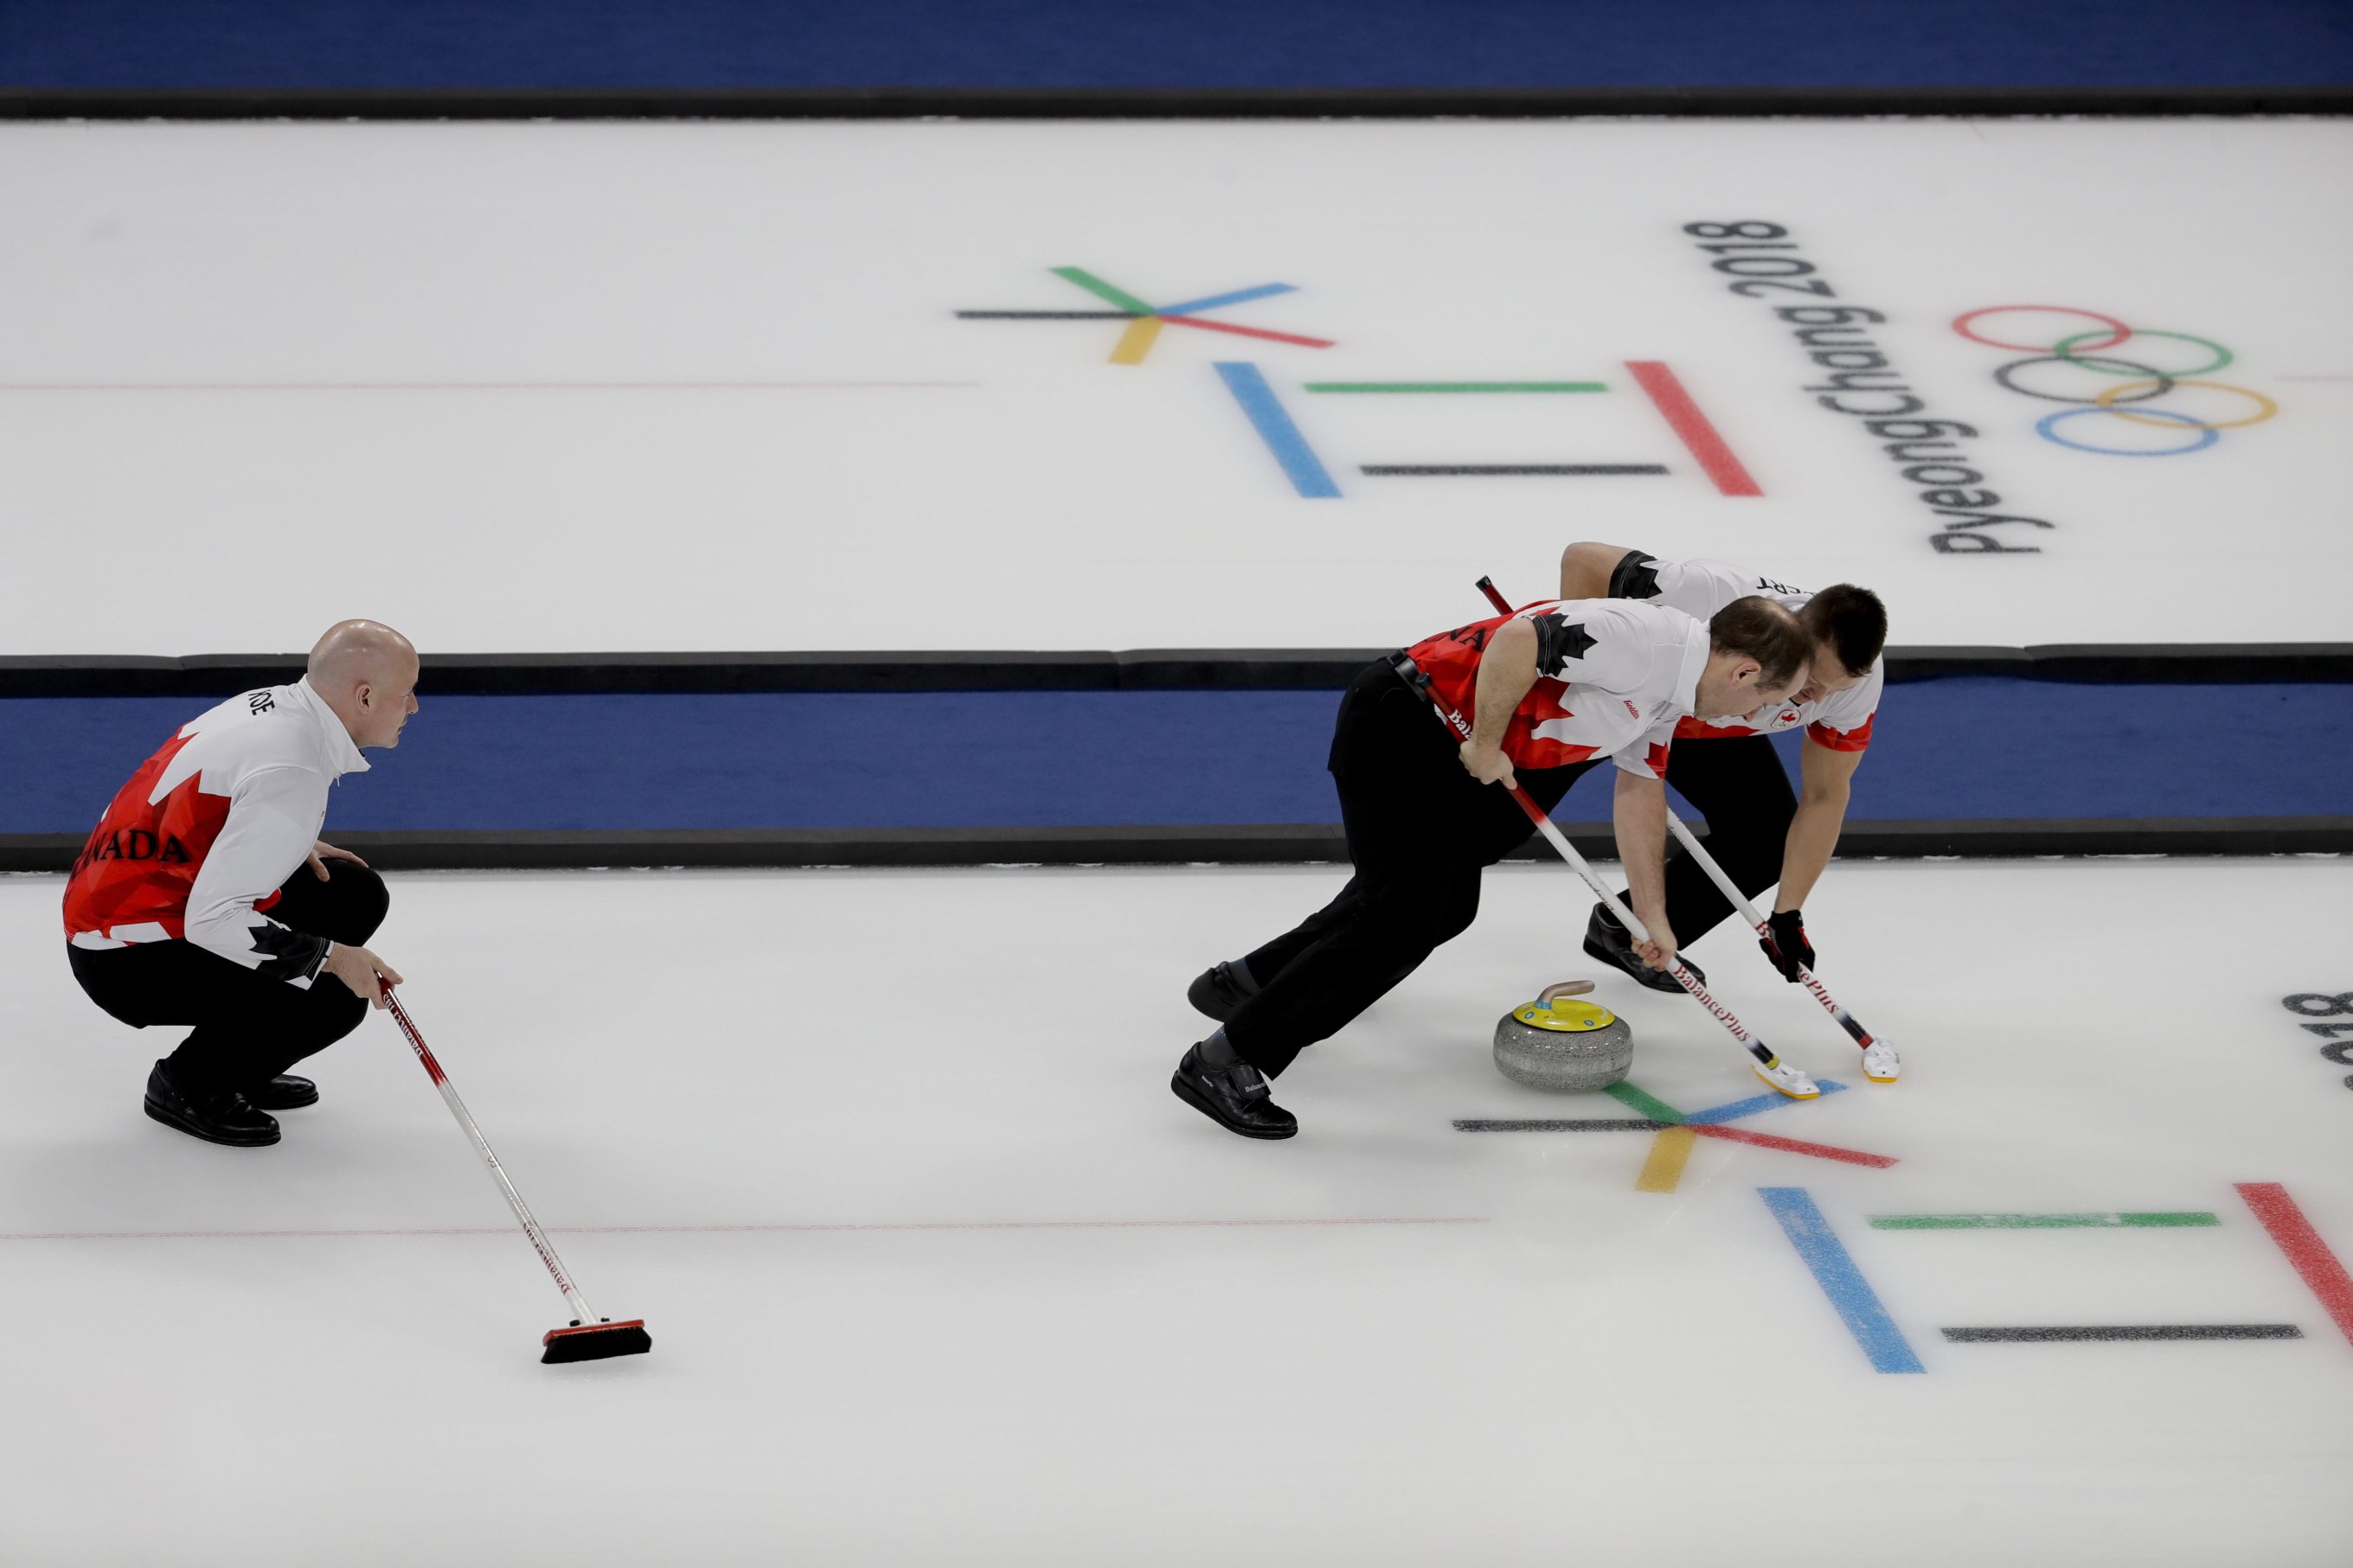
x=1797, y=1146
x=2296, y=1236
x=1209, y=326
x=1691, y=427
x=729, y=1229
x=477, y=385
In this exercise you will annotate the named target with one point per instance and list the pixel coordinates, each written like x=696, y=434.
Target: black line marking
x=1593, y=1124
x=1481, y=470
x=2129, y=1331
x=1045, y=315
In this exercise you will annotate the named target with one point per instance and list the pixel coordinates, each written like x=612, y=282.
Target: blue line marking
x=1274, y=426
x=1740, y=1107
x=1840, y=1280
x=1236, y=298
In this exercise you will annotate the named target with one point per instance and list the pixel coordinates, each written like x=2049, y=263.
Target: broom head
x=595, y=1342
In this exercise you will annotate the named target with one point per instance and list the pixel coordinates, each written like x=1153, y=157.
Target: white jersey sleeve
x=1842, y=720
x=1698, y=588
x=273, y=820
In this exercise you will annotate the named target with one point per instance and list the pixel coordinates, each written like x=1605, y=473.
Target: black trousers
x=1420, y=832
x=1740, y=787
x=248, y=1028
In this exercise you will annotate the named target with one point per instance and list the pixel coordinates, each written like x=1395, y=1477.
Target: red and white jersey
x=1611, y=679
x=1840, y=722
x=196, y=845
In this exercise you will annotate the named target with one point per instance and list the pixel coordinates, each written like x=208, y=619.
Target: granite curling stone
x=1563, y=1044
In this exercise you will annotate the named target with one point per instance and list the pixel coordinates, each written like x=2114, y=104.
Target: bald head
x=367, y=673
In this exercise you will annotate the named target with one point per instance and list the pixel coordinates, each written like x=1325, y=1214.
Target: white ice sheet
x=488, y=382
x=938, y=1271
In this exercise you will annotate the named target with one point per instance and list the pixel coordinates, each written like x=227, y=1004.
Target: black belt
x=1409, y=672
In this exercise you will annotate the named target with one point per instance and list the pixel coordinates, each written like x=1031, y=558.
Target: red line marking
x=1247, y=332
x=476, y=385
x=731, y=1229
x=1797, y=1146
x=2296, y=1236
x=1699, y=438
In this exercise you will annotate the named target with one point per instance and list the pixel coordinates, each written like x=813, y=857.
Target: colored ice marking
x=1649, y=1104
x=1692, y=428
x=1105, y=292
x=1751, y=1106
x=1834, y=1270
x=1282, y=438
x=2294, y=1235
x=2110, y=1221
x=1456, y=386
x=1145, y=321
x=1216, y=301
x=1671, y=1151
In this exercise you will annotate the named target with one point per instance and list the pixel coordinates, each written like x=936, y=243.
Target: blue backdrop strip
x=718, y=43
x=1965, y=748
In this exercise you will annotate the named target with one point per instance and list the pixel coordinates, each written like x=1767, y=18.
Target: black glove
x=1787, y=946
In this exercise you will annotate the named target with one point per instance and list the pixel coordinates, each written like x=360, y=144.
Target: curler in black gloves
x=1788, y=947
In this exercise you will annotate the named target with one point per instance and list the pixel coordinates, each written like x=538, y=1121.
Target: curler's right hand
x=1487, y=764
x=363, y=972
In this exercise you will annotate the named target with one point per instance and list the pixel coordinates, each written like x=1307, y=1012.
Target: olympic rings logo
x=2086, y=353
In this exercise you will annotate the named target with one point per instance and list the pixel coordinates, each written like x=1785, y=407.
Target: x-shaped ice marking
x=1677, y=1130
x=1138, y=340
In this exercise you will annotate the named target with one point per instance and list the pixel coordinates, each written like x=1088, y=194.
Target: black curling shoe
x=1235, y=1095
x=284, y=1092
x=1611, y=943
x=1218, y=993
x=225, y=1117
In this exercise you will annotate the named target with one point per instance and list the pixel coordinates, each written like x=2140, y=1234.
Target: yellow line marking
x=1136, y=341
x=1664, y=1168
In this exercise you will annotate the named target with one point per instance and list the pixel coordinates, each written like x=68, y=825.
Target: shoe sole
x=1193, y=1097
x=284, y=1104
x=177, y=1125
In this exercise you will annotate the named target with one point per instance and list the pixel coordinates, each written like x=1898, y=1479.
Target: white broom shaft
x=1724, y=884
x=1457, y=724
x=1681, y=973
x=514, y=1201
x=1763, y=928
x=490, y=1158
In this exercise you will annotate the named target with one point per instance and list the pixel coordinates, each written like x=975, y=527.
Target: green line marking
x=1456, y=386
x=1633, y=1098
x=1102, y=291
x=2036, y=1221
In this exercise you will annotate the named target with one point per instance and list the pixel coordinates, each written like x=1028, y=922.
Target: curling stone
x=1563, y=1045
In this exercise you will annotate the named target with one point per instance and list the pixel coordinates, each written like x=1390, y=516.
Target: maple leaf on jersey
x=1635, y=579
x=1558, y=640
x=287, y=952
x=1543, y=706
